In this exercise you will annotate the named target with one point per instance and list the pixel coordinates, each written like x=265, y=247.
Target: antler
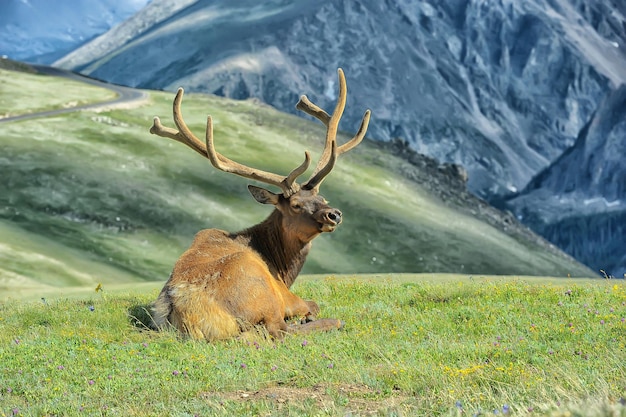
x=184, y=135
x=331, y=150
x=286, y=183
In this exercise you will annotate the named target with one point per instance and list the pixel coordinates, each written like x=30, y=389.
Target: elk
x=227, y=283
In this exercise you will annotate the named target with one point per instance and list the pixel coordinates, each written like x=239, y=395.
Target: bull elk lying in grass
x=226, y=283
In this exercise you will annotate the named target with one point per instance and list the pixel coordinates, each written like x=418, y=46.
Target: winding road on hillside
x=125, y=94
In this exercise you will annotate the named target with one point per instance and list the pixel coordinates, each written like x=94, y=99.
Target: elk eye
x=296, y=206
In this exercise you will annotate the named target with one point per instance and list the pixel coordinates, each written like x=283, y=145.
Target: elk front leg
x=297, y=307
x=294, y=305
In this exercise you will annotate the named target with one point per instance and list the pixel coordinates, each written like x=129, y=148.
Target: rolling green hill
x=92, y=196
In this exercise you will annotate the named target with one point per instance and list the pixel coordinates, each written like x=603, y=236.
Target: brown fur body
x=226, y=283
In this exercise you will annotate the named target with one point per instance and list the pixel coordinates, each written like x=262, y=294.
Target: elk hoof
x=314, y=309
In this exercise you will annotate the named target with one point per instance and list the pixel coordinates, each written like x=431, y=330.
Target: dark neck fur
x=282, y=251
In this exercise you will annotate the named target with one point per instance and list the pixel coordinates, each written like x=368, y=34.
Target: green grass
x=24, y=93
x=90, y=197
x=412, y=345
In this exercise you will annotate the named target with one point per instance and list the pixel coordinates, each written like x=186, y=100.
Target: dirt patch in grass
x=350, y=398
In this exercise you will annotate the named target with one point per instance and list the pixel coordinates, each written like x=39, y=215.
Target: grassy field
x=91, y=196
x=413, y=345
x=91, y=200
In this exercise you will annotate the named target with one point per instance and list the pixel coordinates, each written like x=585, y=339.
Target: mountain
x=503, y=88
x=583, y=193
x=91, y=196
x=41, y=31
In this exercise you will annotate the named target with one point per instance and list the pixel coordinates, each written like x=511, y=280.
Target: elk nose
x=334, y=216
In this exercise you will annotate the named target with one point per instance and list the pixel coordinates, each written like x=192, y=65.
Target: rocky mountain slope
x=501, y=87
x=583, y=194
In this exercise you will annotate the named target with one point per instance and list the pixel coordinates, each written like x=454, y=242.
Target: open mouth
x=327, y=227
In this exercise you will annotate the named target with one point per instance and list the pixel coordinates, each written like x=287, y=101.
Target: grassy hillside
x=424, y=346
x=91, y=196
x=24, y=93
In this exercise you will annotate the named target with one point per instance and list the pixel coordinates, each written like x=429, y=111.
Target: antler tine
x=325, y=165
x=183, y=134
x=311, y=109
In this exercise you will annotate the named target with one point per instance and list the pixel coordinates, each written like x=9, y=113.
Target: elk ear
x=263, y=196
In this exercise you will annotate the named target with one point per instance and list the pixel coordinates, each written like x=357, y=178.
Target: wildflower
x=304, y=343
x=91, y=382
x=144, y=344
x=601, y=321
x=330, y=366
x=17, y=341
x=506, y=409
x=244, y=366
x=15, y=411
x=60, y=367
x=91, y=308
x=175, y=373
x=458, y=405
x=9, y=390
x=274, y=368
x=99, y=287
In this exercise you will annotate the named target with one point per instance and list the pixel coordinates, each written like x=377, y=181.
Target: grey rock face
x=583, y=194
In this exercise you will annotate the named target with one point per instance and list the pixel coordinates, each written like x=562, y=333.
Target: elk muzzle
x=328, y=219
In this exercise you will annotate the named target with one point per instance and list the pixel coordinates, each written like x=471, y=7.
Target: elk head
x=305, y=213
